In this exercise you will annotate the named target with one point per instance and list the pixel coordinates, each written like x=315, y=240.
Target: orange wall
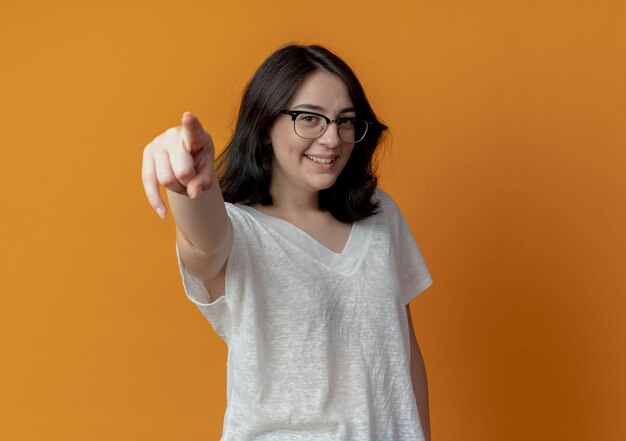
x=508, y=159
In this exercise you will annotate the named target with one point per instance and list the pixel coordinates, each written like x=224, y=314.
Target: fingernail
x=161, y=212
x=194, y=192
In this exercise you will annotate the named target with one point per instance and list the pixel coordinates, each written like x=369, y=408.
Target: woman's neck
x=295, y=202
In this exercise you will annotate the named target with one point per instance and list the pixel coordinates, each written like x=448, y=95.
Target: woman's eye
x=345, y=122
x=309, y=119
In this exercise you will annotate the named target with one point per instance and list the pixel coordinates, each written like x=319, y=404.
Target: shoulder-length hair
x=244, y=168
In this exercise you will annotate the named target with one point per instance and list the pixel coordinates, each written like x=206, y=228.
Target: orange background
x=508, y=159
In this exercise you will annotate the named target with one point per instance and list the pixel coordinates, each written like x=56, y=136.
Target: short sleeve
x=415, y=276
x=216, y=312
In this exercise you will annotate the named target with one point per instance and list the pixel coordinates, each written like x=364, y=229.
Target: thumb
x=194, y=134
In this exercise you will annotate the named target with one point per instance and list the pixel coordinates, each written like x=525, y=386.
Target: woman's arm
x=418, y=377
x=181, y=159
x=203, y=231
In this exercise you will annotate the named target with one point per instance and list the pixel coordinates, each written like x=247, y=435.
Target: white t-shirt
x=318, y=342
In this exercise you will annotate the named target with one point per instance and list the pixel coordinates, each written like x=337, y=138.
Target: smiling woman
x=305, y=165
x=245, y=166
x=297, y=260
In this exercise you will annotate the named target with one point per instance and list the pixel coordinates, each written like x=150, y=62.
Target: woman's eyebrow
x=347, y=109
x=321, y=109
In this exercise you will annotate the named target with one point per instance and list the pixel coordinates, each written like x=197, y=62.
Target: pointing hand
x=181, y=160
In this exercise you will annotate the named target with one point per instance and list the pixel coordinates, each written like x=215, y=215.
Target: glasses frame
x=295, y=113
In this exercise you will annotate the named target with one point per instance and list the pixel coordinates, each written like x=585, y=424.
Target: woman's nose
x=330, y=137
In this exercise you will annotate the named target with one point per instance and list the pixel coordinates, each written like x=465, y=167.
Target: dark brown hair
x=244, y=168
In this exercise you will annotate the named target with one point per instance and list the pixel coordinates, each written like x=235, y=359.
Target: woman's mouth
x=321, y=160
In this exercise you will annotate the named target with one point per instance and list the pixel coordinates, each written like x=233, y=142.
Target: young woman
x=297, y=260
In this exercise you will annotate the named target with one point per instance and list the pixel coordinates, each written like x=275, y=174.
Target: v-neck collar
x=345, y=262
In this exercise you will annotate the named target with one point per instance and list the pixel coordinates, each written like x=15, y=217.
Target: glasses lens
x=352, y=130
x=308, y=125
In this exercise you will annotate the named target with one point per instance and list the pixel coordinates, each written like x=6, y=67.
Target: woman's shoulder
x=380, y=195
x=384, y=200
x=241, y=215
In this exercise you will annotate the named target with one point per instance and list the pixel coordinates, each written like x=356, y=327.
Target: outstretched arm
x=181, y=159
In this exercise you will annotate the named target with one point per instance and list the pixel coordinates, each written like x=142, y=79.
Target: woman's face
x=311, y=165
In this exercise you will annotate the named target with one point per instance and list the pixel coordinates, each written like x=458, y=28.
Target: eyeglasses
x=311, y=125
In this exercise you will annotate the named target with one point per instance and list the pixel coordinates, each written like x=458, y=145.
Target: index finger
x=193, y=132
x=151, y=186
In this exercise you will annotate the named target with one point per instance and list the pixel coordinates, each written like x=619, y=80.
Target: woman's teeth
x=320, y=160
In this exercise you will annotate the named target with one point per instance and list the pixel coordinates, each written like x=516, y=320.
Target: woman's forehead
x=322, y=91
